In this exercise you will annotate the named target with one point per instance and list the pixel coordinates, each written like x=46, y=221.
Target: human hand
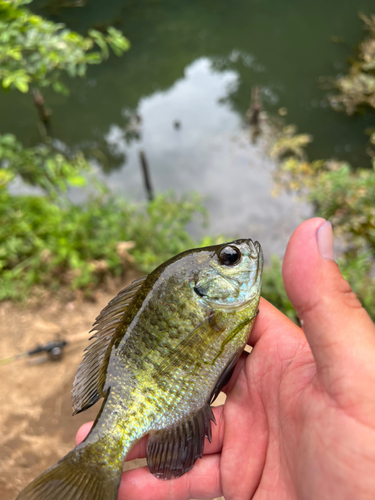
x=299, y=419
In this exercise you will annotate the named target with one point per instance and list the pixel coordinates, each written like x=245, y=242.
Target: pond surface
x=195, y=62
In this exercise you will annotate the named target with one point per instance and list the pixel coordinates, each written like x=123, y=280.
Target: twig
x=146, y=175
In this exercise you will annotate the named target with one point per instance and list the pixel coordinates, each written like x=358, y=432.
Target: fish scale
x=161, y=351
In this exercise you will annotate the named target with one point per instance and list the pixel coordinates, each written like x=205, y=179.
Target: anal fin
x=172, y=452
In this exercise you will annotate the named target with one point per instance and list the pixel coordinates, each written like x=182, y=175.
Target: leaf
x=51, y=167
x=5, y=177
x=8, y=139
x=21, y=85
x=99, y=39
x=93, y=58
x=15, y=54
x=81, y=70
x=60, y=88
x=77, y=180
x=118, y=51
x=7, y=81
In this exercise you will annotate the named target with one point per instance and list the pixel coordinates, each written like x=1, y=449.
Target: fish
x=161, y=352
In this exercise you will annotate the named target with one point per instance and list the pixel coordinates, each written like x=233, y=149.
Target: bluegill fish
x=162, y=350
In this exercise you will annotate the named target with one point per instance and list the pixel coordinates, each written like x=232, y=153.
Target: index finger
x=202, y=481
x=271, y=321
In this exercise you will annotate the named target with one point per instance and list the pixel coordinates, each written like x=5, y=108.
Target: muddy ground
x=36, y=426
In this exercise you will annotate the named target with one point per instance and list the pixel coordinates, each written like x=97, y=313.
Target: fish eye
x=229, y=256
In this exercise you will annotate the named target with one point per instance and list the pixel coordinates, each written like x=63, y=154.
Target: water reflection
x=211, y=154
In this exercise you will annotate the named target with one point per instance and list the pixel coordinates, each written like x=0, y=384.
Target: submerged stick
x=146, y=175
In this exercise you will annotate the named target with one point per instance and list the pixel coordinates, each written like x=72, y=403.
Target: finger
x=203, y=482
x=338, y=329
x=276, y=337
x=82, y=432
x=139, y=449
x=270, y=321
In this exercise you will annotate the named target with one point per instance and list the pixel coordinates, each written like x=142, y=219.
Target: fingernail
x=324, y=237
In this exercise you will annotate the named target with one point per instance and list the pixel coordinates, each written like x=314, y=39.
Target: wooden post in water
x=253, y=113
x=146, y=175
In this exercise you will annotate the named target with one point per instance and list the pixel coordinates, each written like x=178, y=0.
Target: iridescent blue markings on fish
x=161, y=351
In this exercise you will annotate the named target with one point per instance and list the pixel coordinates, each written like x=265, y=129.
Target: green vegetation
x=46, y=241
x=41, y=166
x=36, y=53
x=357, y=88
x=53, y=244
x=337, y=192
x=273, y=289
x=340, y=194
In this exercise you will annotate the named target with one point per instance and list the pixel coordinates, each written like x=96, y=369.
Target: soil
x=36, y=426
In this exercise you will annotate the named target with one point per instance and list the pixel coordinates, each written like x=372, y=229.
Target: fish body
x=161, y=352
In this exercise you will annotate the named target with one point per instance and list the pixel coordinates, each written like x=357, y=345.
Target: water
x=196, y=62
x=210, y=153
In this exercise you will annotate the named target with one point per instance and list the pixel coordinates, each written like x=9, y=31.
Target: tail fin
x=75, y=478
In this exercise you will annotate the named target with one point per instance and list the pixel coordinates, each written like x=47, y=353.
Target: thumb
x=340, y=332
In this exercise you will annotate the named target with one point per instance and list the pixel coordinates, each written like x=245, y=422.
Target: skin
x=299, y=419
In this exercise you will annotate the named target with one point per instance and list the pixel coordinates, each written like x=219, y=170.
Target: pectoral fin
x=172, y=452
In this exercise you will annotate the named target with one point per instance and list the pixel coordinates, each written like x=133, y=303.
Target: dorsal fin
x=172, y=452
x=90, y=377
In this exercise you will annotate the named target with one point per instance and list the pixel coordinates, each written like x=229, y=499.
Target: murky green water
x=195, y=61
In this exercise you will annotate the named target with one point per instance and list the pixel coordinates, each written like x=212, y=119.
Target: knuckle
x=308, y=308
x=348, y=297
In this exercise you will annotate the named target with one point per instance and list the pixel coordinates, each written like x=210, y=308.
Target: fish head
x=232, y=277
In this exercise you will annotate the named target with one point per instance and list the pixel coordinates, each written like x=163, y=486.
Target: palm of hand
x=283, y=431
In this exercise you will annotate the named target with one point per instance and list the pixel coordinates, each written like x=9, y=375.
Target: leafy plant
x=357, y=88
x=345, y=197
x=49, y=242
x=46, y=240
x=35, y=52
x=41, y=166
x=52, y=245
x=273, y=289
x=287, y=143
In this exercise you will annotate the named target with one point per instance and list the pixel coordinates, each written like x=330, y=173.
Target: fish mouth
x=256, y=253
x=255, y=248
x=259, y=256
